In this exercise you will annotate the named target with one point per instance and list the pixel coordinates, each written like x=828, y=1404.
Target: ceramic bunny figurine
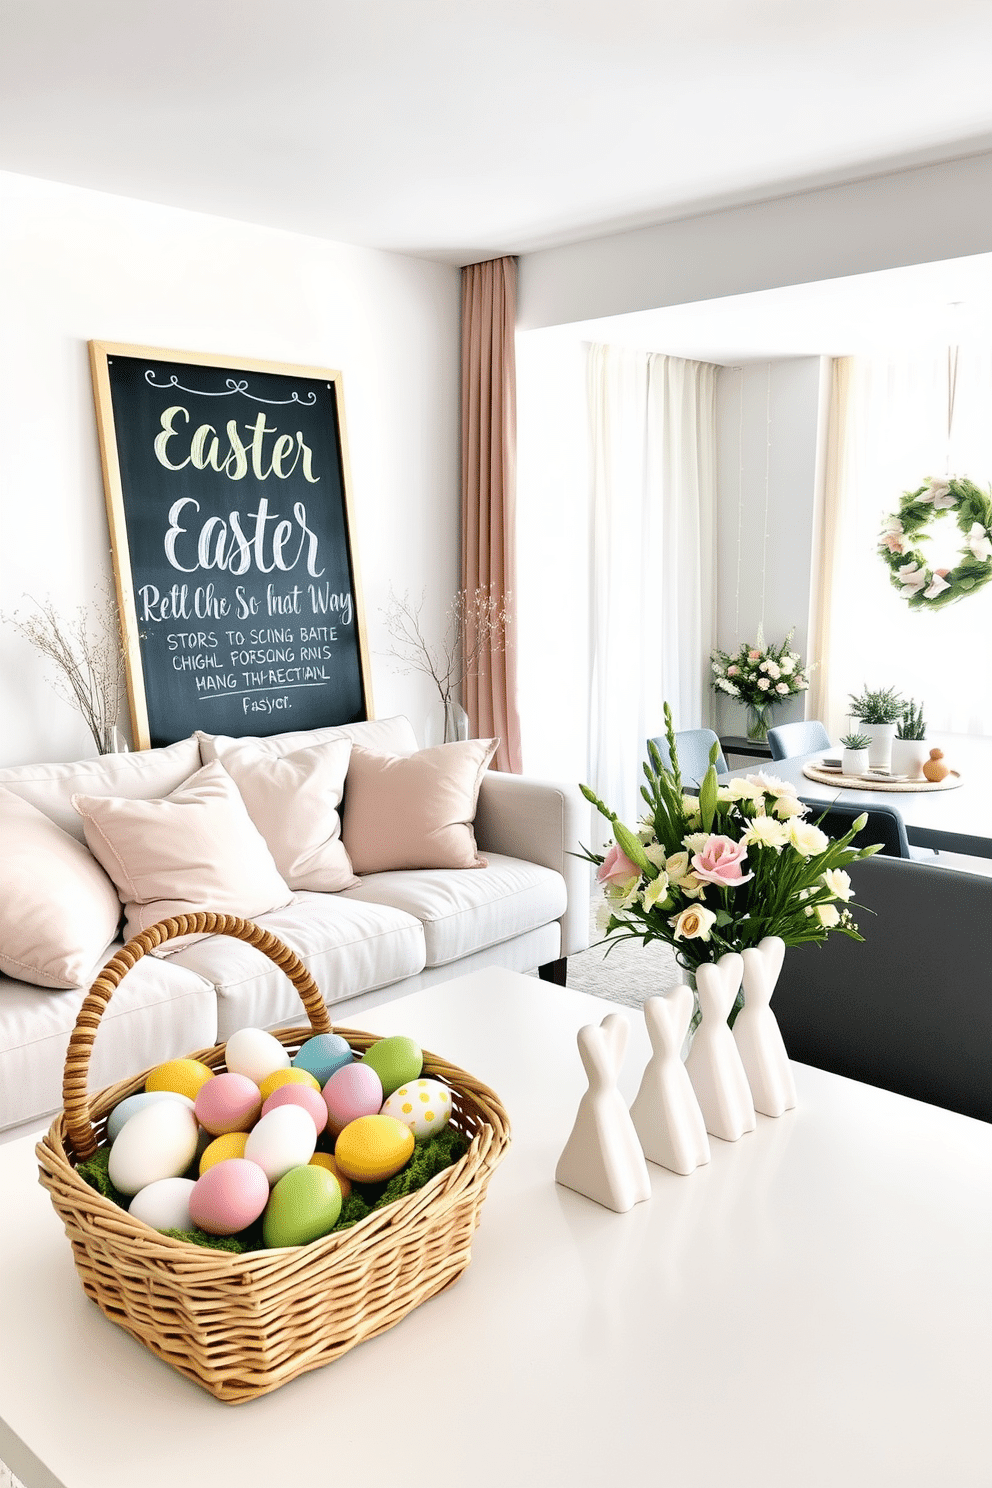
x=665, y=1112
x=757, y=1034
x=714, y=1065
x=602, y=1158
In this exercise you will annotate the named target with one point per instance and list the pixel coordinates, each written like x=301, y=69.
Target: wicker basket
x=242, y=1325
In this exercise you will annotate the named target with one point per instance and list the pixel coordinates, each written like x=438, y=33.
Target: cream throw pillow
x=293, y=800
x=58, y=909
x=196, y=849
x=415, y=811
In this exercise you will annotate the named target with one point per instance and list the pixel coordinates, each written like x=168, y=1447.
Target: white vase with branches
x=474, y=628
x=87, y=651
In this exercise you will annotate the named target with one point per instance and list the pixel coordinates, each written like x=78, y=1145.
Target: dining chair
x=693, y=746
x=884, y=825
x=789, y=739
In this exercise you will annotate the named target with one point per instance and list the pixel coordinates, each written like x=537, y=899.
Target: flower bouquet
x=721, y=872
x=760, y=675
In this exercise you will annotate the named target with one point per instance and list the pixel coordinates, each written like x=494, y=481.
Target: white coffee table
x=812, y=1309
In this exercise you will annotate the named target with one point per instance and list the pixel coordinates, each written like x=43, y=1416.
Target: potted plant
x=854, y=760
x=910, y=747
x=878, y=710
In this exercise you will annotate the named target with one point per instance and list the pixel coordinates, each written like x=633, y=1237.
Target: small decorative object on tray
x=188, y=1191
x=761, y=676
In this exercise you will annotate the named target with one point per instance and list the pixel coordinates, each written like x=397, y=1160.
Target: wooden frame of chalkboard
x=229, y=502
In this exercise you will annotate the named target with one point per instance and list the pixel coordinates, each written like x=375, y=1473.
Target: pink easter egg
x=232, y=1104
x=229, y=1196
x=352, y=1091
x=299, y=1095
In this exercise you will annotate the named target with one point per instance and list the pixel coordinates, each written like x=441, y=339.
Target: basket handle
x=77, y=1059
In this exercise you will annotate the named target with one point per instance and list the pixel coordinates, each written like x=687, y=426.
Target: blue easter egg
x=322, y=1055
x=135, y=1103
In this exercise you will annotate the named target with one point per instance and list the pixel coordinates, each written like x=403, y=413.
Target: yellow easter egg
x=325, y=1160
x=290, y=1076
x=372, y=1148
x=423, y=1105
x=231, y=1144
x=184, y=1076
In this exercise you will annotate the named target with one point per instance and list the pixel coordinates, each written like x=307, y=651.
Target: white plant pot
x=854, y=761
x=880, y=748
x=909, y=756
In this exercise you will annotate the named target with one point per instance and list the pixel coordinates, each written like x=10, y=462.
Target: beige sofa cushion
x=415, y=811
x=197, y=849
x=58, y=909
x=293, y=800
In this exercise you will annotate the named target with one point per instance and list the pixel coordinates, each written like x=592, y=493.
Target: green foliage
x=855, y=741
x=905, y=531
x=912, y=725
x=876, y=705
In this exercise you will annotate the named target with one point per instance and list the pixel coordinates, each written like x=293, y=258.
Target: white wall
x=77, y=265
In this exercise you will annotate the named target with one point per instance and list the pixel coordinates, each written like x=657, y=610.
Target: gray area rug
x=623, y=971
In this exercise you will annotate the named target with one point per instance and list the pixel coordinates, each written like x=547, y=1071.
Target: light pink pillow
x=196, y=849
x=58, y=909
x=415, y=811
x=293, y=800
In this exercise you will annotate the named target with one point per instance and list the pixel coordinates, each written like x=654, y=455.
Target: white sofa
x=392, y=934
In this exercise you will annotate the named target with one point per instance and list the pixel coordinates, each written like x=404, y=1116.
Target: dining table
x=957, y=820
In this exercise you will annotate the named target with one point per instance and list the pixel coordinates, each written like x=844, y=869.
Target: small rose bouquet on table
x=721, y=871
x=761, y=676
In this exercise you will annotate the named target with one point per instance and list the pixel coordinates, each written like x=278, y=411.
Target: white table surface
x=812, y=1309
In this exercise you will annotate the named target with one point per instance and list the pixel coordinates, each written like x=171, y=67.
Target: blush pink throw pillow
x=414, y=811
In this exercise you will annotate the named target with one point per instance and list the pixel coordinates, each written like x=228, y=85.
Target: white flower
x=604, y=914
x=939, y=492
x=695, y=842
x=807, y=839
x=838, y=882
x=937, y=586
x=764, y=683
x=979, y=543
x=730, y=687
x=741, y=789
x=788, y=806
x=677, y=866
x=828, y=915
x=655, y=853
x=771, y=785
x=693, y=924
x=656, y=889
x=912, y=578
x=765, y=665
x=718, y=668
x=773, y=671
x=781, y=687
x=764, y=831
x=787, y=666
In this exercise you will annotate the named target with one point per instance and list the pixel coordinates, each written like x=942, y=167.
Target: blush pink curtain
x=489, y=437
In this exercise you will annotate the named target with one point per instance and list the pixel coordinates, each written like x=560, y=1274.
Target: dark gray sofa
x=910, y=1009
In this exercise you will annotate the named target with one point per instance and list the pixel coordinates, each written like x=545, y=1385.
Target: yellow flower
x=838, y=882
x=694, y=923
x=656, y=890
x=806, y=838
x=828, y=915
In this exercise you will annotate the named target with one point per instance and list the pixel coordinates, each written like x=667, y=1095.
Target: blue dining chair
x=884, y=825
x=693, y=747
x=789, y=739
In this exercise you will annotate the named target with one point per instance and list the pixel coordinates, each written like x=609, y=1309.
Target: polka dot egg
x=422, y=1105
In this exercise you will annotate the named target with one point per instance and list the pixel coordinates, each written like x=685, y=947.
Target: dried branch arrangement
x=475, y=627
x=87, y=652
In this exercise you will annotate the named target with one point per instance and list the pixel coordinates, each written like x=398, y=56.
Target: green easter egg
x=396, y=1061
x=303, y=1205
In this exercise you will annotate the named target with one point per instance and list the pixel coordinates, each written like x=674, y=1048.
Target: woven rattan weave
x=242, y=1325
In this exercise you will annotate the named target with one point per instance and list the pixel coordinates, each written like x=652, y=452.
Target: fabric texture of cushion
x=384, y=735
x=58, y=909
x=415, y=811
x=293, y=800
x=197, y=849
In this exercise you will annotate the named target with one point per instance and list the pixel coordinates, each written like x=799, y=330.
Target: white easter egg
x=284, y=1138
x=255, y=1053
x=164, y=1204
x=129, y=1107
x=422, y=1105
x=159, y=1141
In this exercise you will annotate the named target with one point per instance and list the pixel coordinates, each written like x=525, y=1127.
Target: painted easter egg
x=284, y=1138
x=164, y=1204
x=184, y=1076
x=328, y=1161
x=352, y=1091
x=229, y=1196
x=288, y=1076
x=127, y=1108
x=309, y=1100
x=255, y=1053
x=231, y=1144
x=373, y=1148
x=228, y=1103
x=396, y=1061
x=304, y=1205
x=423, y=1105
x=159, y=1141
x=322, y=1055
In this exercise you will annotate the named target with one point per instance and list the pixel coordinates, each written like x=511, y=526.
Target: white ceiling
x=460, y=129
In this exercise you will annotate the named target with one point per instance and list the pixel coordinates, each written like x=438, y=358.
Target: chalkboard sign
x=227, y=492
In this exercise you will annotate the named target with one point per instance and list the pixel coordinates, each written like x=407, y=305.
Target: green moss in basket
x=94, y=1172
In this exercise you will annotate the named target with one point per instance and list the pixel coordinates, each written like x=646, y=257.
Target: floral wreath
x=932, y=588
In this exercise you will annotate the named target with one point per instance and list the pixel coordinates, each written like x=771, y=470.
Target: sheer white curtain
x=653, y=581
x=888, y=433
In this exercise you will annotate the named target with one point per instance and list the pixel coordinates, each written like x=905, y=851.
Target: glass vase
x=758, y=715
x=447, y=724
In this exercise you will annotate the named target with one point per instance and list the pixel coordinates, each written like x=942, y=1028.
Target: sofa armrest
x=543, y=822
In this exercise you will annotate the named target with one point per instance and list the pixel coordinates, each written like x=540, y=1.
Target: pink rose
x=754, y=655
x=732, y=671
x=894, y=542
x=720, y=862
x=616, y=868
